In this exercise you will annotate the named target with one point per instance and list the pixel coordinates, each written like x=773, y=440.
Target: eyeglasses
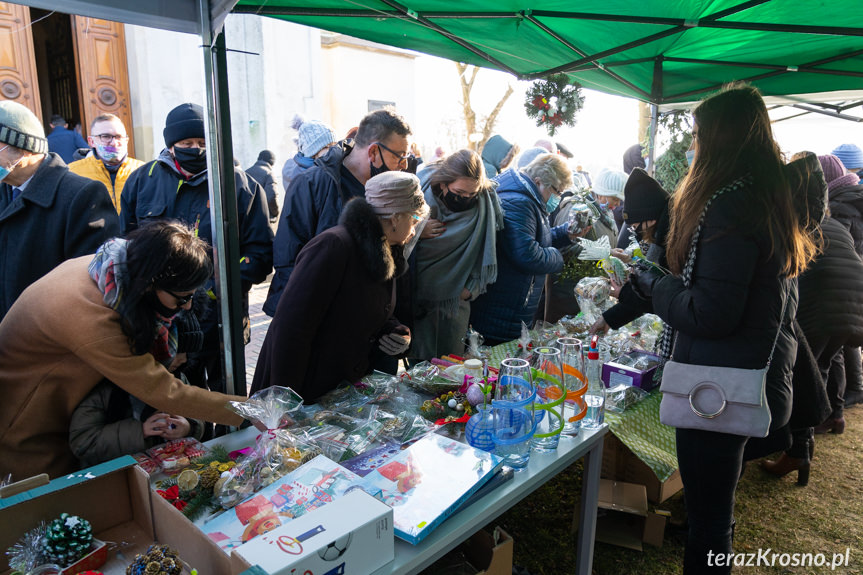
x=403, y=159
x=181, y=299
x=555, y=190
x=108, y=138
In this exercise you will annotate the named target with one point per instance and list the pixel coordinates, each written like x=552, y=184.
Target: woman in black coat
x=750, y=246
x=338, y=304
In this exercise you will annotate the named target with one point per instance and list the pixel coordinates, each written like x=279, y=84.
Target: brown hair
x=104, y=118
x=734, y=138
x=461, y=164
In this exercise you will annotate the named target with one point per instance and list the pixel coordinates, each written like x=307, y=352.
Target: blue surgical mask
x=4, y=171
x=603, y=206
x=690, y=157
x=552, y=203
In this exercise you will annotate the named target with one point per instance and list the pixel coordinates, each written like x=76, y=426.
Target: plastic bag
x=621, y=397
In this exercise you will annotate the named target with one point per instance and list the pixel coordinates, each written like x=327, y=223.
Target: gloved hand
x=643, y=279
x=394, y=344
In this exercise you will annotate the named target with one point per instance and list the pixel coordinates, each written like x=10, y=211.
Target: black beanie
x=267, y=156
x=644, y=198
x=184, y=121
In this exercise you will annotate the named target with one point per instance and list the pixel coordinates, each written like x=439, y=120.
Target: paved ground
x=260, y=323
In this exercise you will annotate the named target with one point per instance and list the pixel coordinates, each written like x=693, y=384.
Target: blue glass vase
x=479, y=430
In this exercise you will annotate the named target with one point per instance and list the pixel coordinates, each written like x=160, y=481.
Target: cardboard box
x=616, y=372
x=353, y=534
x=114, y=497
x=482, y=554
x=624, y=519
x=620, y=464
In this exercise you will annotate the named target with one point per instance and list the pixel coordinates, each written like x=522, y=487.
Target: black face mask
x=193, y=160
x=384, y=168
x=161, y=309
x=457, y=203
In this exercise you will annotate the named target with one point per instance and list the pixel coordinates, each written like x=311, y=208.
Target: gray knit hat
x=19, y=127
x=313, y=137
x=392, y=193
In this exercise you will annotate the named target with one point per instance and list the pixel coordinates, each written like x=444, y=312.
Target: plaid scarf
x=108, y=270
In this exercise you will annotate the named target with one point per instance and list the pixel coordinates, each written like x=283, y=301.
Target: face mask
x=193, y=160
x=161, y=309
x=552, y=203
x=690, y=157
x=457, y=203
x=4, y=171
x=110, y=154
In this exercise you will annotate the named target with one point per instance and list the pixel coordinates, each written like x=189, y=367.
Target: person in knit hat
x=316, y=196
x=175, y=185
x=845, y=196
x=851, y=157
x=313, y=140
x=337, y=307
x=47, y=213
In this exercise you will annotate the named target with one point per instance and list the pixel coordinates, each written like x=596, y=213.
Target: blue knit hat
x=850, y=155
x=313, y=137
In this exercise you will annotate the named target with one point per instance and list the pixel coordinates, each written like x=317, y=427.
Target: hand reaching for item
x=599, y=326
x=432, y=229
x=394, y=344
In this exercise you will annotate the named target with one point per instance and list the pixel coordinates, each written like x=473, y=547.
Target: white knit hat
x=610, y=183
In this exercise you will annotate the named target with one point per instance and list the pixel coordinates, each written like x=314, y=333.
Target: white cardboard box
x=351, y=535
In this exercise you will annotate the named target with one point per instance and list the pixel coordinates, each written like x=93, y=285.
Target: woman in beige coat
x=94, y=318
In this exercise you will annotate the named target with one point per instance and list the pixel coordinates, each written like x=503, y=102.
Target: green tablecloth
x=638, y=427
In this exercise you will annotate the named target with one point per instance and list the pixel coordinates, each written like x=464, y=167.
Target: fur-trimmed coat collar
x=382, y=261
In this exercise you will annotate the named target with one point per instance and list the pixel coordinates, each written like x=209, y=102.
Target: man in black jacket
x=175, y=186
x=47, y=213
x=262, y=172
x=316, y=196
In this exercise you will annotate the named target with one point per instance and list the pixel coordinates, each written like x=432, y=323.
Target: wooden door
x=18, y=80
x=100, y=50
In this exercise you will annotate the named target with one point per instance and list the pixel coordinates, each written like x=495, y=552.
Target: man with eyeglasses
x=47, y=214
x=110, y=162
x=316, y=196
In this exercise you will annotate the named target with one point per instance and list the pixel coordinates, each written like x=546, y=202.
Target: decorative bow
x=172, y=494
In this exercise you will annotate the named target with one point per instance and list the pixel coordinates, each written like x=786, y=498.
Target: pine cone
x=209, y=476
x=67, y=539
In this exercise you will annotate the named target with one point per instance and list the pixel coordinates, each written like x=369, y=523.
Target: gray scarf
x=464, y=256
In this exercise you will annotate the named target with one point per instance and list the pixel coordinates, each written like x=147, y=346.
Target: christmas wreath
x=553, y=102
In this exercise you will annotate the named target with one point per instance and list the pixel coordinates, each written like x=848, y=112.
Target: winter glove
x=394, y=344
x=643, y=279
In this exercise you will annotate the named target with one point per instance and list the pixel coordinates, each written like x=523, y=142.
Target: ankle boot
x=831, y=425
x=785, y=465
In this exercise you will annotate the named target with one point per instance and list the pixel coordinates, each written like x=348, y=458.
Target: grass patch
x=824, y=517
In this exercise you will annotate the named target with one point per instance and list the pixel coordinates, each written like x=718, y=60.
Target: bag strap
x=686, y=276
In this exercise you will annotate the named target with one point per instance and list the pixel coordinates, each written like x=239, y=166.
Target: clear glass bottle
x=594, y=397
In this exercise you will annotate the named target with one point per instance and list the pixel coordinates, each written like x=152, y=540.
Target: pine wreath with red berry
x=553, y=102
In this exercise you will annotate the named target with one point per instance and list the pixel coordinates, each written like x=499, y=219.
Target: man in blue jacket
x=63, y=141
x=175, y=186
x=527, y=248
x=316, y=196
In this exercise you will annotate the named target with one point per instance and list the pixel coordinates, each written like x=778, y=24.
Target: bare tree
x=467, y=76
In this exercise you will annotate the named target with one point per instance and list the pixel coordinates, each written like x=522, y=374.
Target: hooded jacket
x=527, y=250
x=262, y=172
x=338, y=302
x=58, y=216
x=493, y=153
x=312, y=205
x=846, y=207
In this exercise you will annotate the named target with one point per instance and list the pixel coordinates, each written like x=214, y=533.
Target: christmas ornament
x=27, y=552
x=67, y=539
x=553, y=102
x=159, y=560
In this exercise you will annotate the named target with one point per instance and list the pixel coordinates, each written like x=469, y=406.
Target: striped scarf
x=108, y=270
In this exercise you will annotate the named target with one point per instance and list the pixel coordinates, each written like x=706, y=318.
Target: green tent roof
x=663, y=51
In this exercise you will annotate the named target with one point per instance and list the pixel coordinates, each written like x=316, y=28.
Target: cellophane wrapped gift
x=277, y=451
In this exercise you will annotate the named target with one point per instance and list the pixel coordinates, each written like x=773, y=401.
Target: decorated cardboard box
x=353, y=534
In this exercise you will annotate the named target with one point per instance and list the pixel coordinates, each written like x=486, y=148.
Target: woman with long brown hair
x=741, y=294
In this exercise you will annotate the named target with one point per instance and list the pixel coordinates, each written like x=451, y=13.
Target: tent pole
x=656, y=96
x=223, y=205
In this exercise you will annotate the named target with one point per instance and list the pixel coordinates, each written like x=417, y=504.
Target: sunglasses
x=181, y=299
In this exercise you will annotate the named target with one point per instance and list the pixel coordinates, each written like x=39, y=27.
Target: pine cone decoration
x=67, y=539
x=159, y=560
x=209, y=476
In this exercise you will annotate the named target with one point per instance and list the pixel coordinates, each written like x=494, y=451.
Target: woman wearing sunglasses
x=94, y=318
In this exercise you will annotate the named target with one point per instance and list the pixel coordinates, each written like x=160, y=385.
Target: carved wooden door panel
x=18, y=79
x=100, y=49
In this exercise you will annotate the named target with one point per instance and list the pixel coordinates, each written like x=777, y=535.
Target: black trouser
x=710, y=465
x=853, y=368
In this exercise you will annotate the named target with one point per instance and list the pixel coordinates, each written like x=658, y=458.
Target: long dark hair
x=160, y=255
x=734, y=138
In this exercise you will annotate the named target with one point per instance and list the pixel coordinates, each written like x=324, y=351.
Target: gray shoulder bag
x=721, y=399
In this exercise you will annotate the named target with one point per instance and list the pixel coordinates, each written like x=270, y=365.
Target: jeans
x=710, y=466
